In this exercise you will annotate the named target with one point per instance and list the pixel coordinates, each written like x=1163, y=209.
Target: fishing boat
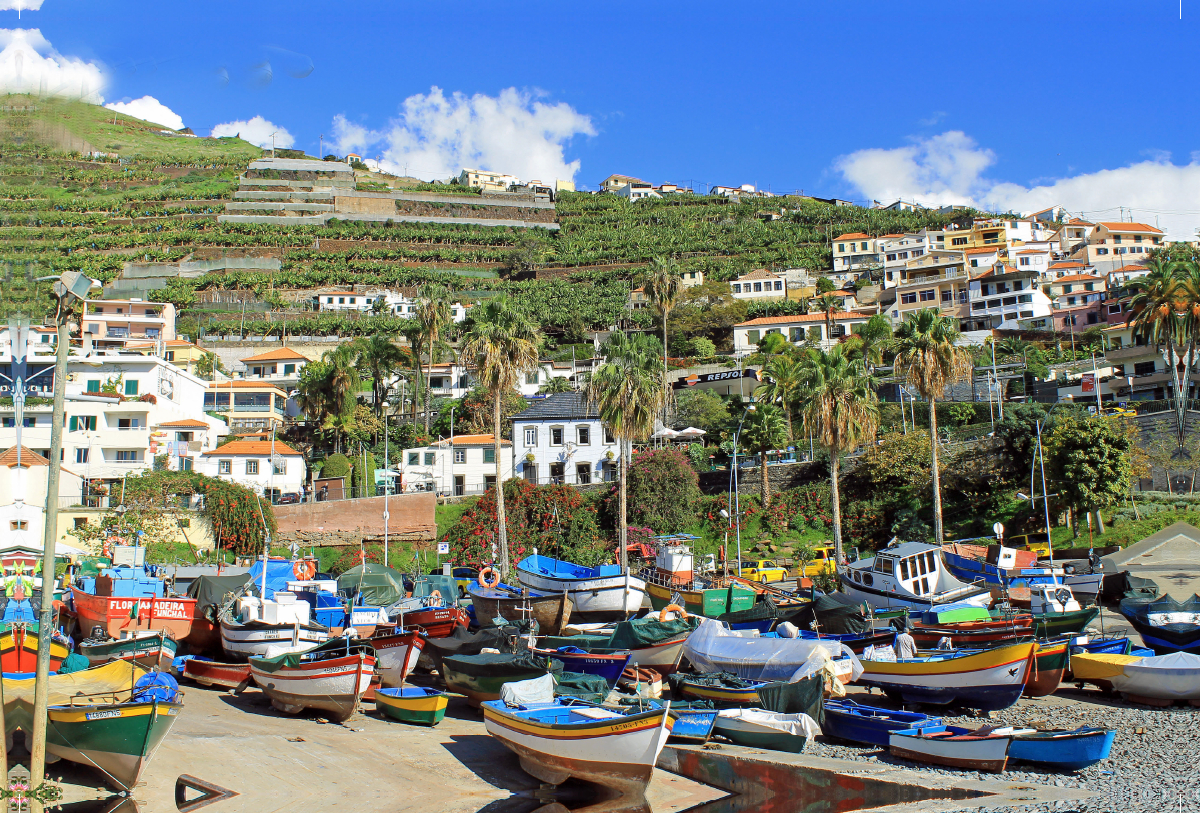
x=152, y=649
x=552, y=611
x=1155, y=681
x=129, y=599
x=213, y=673
x=397, y=654
x=692, y=725
x=855, y=643
x=437, y=622
x=644, y=683
x=653, y=642
x=575, y=659
x=265, y=628
x=1061, y=749
x=997, y=566
x=721, y=689
x=1049, y=664
x=480, y=678
x=713, y=648
x=674, y=580
x=331, y=677
x=1166, y=625
x=758, y=728
x=415, y=705
x=973, y=633
x=571, y=739
x=848, y=720
x=983, y=750
x=19, y=646
x=990, y=680
x=909, y=576
x=603, y=593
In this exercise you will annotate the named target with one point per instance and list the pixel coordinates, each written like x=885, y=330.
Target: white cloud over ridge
x=257, y=131
x=950, y=168
x=29, y=64
x=149, y=109
x=436, y=135
x=20, y=5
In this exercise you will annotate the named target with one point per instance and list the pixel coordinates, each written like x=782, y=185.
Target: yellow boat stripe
x=411, y=704
x=79, y=715
x=623, y=726
x=989, y=659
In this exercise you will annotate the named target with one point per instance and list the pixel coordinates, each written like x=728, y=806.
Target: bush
x=703, y=347
x=662, y=491
x=336, y=465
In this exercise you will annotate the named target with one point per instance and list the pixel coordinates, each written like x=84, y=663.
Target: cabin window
x=904, y=569
x=885, y=565
x=921, y=562
x=931, y=557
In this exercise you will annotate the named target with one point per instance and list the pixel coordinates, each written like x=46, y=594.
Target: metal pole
x=387, y=485
x=996, y=377
x=37, y=748
x=1096, y=384
x=1045, y=495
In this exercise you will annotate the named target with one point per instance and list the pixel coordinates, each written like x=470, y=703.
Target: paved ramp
x=1170, y=557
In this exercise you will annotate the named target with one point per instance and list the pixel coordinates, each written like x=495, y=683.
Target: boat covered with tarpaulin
x=713, y=648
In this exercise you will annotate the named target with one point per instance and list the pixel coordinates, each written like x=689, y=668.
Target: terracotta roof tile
x=806, y=317
x=984, y=250
x=473, y=440
x=857, y=235
x=253, y=447
x=758, y=273
x=1034, y=251
x=278, y=354
x=190, y=423
x=1067, y=265
x=1079, y=278
x=1130, y=227
x=28, y=457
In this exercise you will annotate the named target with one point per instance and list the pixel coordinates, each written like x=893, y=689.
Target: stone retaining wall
x=348, y=522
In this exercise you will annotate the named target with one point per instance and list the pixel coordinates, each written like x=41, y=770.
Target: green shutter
x=131, y=388
x=74, y=424
x=93, y=385
x=489, y=455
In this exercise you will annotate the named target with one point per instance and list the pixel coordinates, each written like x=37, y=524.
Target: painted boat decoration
x=1062, y=749
x=117, y=739
x=597, y=593
x=214, y=673
x=480, y=678
x=909, y=576
x=330, y=678
x=720, y=691
x=992, y=679
x=19, y=646
x=1166, y=625
x=570, y=739
x=154, y=650
x=415, y=705
x=758, y=728
x=1049, y=664
x=256, y=628
x=1157, y=681
x=118, y=614
x=397, y=654
x=985, y=750
x=848, y=720
x=551, y=611
x=575, y=659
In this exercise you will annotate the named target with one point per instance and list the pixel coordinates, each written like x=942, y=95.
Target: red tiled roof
x=473, y=440
x=1078, y=278
x=1034, y=251
x=278, y=354
x=190, y=423
x=758, y=273
x=1067, y=265
x=984, y=250
x=857, y=235
x=1077, y=222
x=807, y=317
x=28, y=457
x=253, y=447
x=1130, y=227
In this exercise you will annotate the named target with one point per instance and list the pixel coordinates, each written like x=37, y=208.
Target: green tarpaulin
x=335, y=648
x=640, y=632
x=380, y=586
x=212, y=592
x=806, y=696
x=577, y=684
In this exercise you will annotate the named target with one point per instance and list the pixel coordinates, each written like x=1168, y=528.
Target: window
x=1093, y=318
x=18, y=525
x=1023, y=261
x=430, y=457
x=531, y=434
x=1089, y=286
x=778, y=285
x=489, y=455
x=864, y=246
x=958, y=241
x=757, y=287
x=1114, y=308
x=530, y=472
x=1101, y=251
x=93, y=385
x=170, y=355
x=1143, y=368
x=1009, y=300
x=414, y=458
x=1026, y=314
x=974, y=263
x=891, y=258
x=460, y=455
x=131, y=388
x=280, y=468
x=909, y=298
x=1116, y=238
x=128, y=457
x=251, y=467
x=460, y=485
x=796, y=334
x=289, y=369
x=489, y=481
x=81, y=455
x=928, y=296
x=947, y=296
x=610, y=472
x=583, y=473
x=841, y=248
x=583, y=435
x=608, y=436
x=752, y=336
x=531, y=378
x=81, y=522
x=737, y=288
x=224, y=467
x=556, y=436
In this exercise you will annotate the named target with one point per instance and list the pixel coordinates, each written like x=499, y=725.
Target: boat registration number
x=270, y=634
x=102, y=715
x=172, y=712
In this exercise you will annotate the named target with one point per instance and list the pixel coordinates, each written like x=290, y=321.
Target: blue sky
x=1016, y=104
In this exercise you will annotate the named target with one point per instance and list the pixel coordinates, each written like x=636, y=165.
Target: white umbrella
x=691, y=432
x=665, y=433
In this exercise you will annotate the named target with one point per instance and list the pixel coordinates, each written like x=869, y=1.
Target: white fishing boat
x=758, y=728
x=332, y=677
x=982, y=750
x=909, y=576
x=1156, y=681
x=255, y=628
x=603, y=593
x=989, y=679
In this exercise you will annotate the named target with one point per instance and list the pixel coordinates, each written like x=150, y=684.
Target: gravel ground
x=1154, y=764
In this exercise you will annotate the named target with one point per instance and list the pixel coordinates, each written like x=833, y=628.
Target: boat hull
x=745, y=733
x=150, y=651
x=1049, y=663
x=551, y=612
x=119, y=739
x=478, y=688
x=1064, y=750
x=972, y=754
x=212, y=673
x=692, y=725
x=413, y=705
x=881, y=600
x=438, y=622
x=18, y=651
x=113, y=614
x=617, y=753
x=397, y=655
x=259, y=640
x=990, y=680
x=608, y=667
x=710, y=602
x=722, y=696
x=334, y=685
x=1052, y=625
x=849, y=721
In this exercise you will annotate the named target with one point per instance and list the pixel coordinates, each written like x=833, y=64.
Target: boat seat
x=597, y=714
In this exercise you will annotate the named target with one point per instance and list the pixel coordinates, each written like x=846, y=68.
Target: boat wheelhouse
x=912, y=576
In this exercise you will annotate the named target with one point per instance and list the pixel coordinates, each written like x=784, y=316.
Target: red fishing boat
x=396, y=654
x=974, y=633
x=438, y=622
x=212, y=673
x=116, y=614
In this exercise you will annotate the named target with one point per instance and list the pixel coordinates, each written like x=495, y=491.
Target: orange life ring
x=484, y=582
x=304, y=569
x=662, y=614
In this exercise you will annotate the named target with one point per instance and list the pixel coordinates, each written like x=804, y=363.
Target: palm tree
x=1161, y=318
x=765, y=430
x=381, y=357
x=663, y=287
x=781, y=386
x=344, y=381
x=558, y=383
x=828, y=304
x=502, y=344
x=434, y=316
x=872, y=339
x=628, y=391
x=411, y=329
x=929, y=360
x=841, y=409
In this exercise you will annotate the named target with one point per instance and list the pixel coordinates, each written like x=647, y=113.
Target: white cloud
x=149, y=109
x=29, y=64
x=949, y=168
x=20, y=5
x=437, y=135
x=257, y=131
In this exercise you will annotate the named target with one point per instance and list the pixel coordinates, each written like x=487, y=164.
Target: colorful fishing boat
x=1156, y=681
x=570, y=739
x=652, y=642
x=758, y=728
x=1061, y=749
x=848, y=720
x=480, y=678
x=673, y=580
x=1049, y=663
x=719, y=689
x=152, y=649
x=1166, y=625
x=551, y=611
x=415, y=705
x=990, y=680
x=603, y=593
x=983, y=750
x=909, y=576
x=437, y=622
x=998, y=566
x=19, y=646
x=213, y=673
x=265, y=628
x=331, y=678
x=575, y=659
x=129, y=598
x=970, y=634
x=397, y=654
x=117, y=739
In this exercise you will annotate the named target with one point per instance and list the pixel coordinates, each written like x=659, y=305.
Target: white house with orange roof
x=1076, y=289
x=759, y=284
x=796, y=328
x=23, y=476
x=1072, y=234
x=854, y=251
x=455, y=467
x=280, y=364
x=897, y=250
x=260, y=405
x=1065, y=268
x=266, y=467
x=1113, y=244
x=1004, y=294
x=183, y=440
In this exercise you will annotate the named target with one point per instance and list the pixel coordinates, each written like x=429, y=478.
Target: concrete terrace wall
x=347, y=522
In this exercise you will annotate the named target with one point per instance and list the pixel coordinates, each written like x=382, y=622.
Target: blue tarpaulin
x=279, y=573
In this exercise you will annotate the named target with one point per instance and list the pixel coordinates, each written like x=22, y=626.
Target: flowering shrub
x=662, y=491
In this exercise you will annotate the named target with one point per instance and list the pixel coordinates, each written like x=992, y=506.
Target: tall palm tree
x=628, y=391
x=872, y=339
x=1161, y=319
x=781, y=385
x=663, y=287
x=841, y=409
x=434, y=316
x=829, y=305
x=411, y=329
x=381, y=357
x=765, y=430
x=502, y=344
x=928, y=357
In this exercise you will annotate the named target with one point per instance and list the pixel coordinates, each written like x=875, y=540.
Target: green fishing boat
x=117, y=739
x=709, y=602
x=480, y=677
x=1052, y=624
x=415, y=705
x=154, y=649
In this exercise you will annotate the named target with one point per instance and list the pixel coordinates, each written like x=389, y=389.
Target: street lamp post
x=387, y=483
x=737, y=503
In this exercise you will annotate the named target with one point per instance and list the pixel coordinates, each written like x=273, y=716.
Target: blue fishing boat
x=1102, y=646
x=603, y=593
x=856, y=643
x=1166, y=625
x=997, y=566
x=848, y=720
x=575, y=659
x=692, y=725
x=1062, y=749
